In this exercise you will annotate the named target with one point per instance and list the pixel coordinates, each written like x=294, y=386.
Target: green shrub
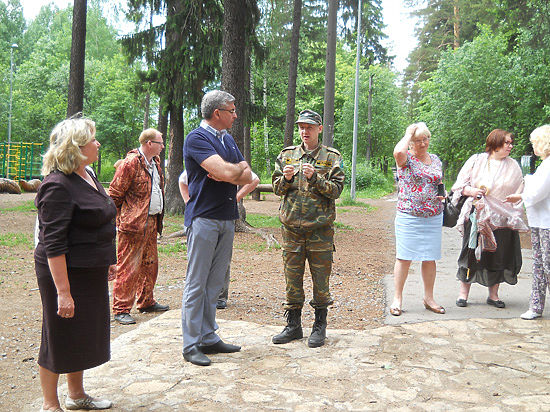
x=366, y=176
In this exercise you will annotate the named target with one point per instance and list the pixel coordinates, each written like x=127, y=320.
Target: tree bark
x=456, y=26
x=147, y=109
x=292, y=74
x=247, y=138
x=75, y=98
x=174, y=202
x=369, y=120
x=234, y=75
x=266, y=130
x=330, y=72
x=163, y=128
x=233, y=63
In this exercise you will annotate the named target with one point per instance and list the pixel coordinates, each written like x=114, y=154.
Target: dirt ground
x=364, y=254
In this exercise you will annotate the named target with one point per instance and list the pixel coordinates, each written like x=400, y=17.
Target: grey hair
x=213, y=100
x=66, y=139
x=541, y=135
x=422, y=130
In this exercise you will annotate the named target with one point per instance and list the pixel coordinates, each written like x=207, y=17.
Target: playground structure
x=20, y=160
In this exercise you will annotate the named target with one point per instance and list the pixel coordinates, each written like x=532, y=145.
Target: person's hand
x=440, y=198
x=65, y=305
x=514, y=198
x=111, y=273
x=476, y=192
x=308, y=170
x=288, y=172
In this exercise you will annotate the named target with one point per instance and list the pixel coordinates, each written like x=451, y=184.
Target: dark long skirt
x=81, y=342
x=503, y=265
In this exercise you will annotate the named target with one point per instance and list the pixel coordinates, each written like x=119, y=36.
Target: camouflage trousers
x=316, y=246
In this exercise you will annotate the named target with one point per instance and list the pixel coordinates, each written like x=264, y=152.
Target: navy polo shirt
x=208, y=198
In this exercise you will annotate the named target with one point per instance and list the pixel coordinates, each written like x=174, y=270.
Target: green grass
x=172, y=248
x=259, y=220
x=375, y=192
x=27, y=206
x=253, y=247
x=17, y=239
x=342, y=226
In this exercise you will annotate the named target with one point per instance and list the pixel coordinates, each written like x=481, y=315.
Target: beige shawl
x=491, y=211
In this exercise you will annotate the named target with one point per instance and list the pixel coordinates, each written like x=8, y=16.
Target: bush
x=366, y=176
x=107, y=168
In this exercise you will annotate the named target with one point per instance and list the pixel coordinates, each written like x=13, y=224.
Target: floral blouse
x=418, y=187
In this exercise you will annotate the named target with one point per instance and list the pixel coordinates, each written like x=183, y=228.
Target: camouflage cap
x=309, y=116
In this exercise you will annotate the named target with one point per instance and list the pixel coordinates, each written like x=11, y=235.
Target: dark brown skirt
x=502, y=265
x=82, y=342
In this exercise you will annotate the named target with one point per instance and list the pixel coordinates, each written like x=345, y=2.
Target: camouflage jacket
x=308, y=203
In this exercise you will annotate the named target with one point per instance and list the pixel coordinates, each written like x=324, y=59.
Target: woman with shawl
x=491, y=250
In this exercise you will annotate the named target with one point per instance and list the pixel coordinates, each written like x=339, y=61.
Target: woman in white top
x=536, y=198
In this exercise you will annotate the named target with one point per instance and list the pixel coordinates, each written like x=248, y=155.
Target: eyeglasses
x=510, y=143
x=423, y=140
x=232, y=111
x=152, y=141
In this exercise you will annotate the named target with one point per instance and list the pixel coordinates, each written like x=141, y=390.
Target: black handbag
x=451, y=212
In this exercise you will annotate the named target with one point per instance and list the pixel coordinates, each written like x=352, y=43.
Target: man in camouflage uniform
x=309, y=179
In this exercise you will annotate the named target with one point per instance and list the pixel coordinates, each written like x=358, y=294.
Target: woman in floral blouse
x=419, y=214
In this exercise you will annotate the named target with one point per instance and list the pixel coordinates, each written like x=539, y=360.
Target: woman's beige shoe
x=88, y=403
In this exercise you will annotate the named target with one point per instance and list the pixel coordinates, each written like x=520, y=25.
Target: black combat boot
x=319, y=329
x=293, y=328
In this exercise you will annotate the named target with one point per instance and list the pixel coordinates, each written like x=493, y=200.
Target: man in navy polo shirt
x=215, y=167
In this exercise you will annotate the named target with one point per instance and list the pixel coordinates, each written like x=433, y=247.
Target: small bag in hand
x=452, y=212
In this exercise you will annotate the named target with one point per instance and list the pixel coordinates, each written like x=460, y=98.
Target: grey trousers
x=224, y=294
x=209, y=250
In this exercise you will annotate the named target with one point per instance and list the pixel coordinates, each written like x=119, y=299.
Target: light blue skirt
x=418, y=238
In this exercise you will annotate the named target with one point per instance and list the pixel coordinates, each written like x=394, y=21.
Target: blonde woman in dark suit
x=75, y=249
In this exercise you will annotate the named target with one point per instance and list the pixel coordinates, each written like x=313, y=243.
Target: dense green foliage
x=41, y=80
x=497, y=80
x=491, y=73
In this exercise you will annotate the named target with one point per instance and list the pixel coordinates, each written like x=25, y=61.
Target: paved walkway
x=475, y=358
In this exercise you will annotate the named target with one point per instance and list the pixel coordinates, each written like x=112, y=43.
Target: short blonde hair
x=66, y=139
x=148, y=134
x=541, y=135
x=422, y=130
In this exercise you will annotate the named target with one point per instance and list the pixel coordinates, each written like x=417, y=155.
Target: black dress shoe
x=461, y=303
x=221, y=304
x=497, y=303
x=219, y=347
x=196, y=357
x=156, y=307
x=124, y=319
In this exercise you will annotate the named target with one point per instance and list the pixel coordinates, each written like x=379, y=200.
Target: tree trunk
x=266, y=130
x=147, y=109
x=456, y=43
x=292, y=74
x=233, y=63
x=163, y=128
x=174, y=202
x=247, y=144
x=330, y=71
x=234, y=75
x=369, y=120
x=75, y=100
